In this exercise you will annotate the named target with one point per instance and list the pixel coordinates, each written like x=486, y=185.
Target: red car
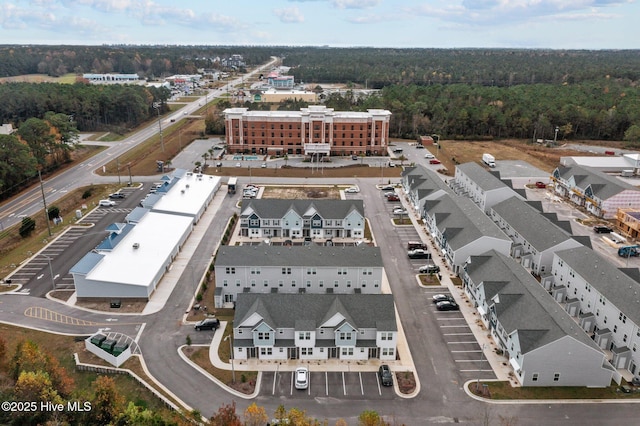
x=541, y=185
x=434, y=161
x=393, y=198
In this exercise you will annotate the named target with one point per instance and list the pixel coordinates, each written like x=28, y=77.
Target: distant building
x=6, y=129
x=313, y=130
x=111, y=78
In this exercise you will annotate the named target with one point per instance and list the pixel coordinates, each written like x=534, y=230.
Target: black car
x=388, y=188
x=447, y=305
x=385, y=375
x=602, y=229
x=207, y=324
x=116, y=195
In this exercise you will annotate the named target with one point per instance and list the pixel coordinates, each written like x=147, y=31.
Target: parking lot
x=337, y=384
x=465, y=350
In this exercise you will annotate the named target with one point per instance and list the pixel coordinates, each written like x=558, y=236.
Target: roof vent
x=136, y=245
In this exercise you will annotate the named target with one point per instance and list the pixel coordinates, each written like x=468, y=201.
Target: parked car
x=419, y=146
x=352, y=190
x=116, y=195
x=389, y=194
x=238, y=165
x=429, y=269
x=386, y=378
x=392, y=164
x=429, y=155
x=387, y=188
x=354, y=157
x=434, y=161
x=399, y=210
x=541, y=185
x=219, y=164
x=393, y=198
x=412, y=245
x=302, y=378
x=207, y=324
x=106, y=203
x=602, y=229
x=287, y=243
x=442, y=298
x=447, y=305
x=263, y=165
x=419, y=254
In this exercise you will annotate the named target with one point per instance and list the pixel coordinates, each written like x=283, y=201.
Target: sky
x=555, y=24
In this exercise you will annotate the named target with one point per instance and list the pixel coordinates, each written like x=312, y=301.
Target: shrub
x=53, y=212
x=87, y=194
x=27, y=226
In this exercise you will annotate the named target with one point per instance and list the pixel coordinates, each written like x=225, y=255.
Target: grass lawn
x=503, y=390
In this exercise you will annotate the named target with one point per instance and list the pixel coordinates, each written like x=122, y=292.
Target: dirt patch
x=429, y=279
x=104, y=306
x=301, y=192
x=406, y=382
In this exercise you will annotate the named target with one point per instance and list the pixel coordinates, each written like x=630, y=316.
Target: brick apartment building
x=313, y=130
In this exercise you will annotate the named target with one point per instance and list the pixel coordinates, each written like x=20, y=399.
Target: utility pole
x=156, y=105
x=129, y=167
x=44, y=201
x=118, y=169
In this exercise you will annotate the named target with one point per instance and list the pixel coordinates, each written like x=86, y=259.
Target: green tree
x=53, y=212
x=16, y=164
x=106, y=402
x=27, y=226
x=37, y=134
x=632, y=134
x=371, y=418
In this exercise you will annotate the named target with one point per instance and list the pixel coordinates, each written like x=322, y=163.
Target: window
x=280, y=283
x=237, y=283
x=556, y=377
x=304, y=335
x=386, y=336
x=347, y=351
x=306, y=351
x=230, y=270
x=286, y=271
x=266, y=351
x=224, y=283
x=266, y=283
x=348, y=283
x=342, y=271
x=624, y=338
x=534, y=377
x=344, y=336
x=253, y=283
x=388, y=351
x=311, y=271
x=615, y=328
x=622, y=317
x=335, y=283
x=254, y=222
x=293, y=283
x=255, y=271
x=263, y=335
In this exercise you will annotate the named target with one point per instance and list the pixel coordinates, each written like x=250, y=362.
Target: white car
x=302, y=378
x=106, y=203
x=399, y=211
x=352, y=190
x=263, y=165
x=238, y=165
x=429, y=155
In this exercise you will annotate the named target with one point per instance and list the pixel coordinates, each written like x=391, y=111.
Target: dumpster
x=97, y=339
x=119, y=348
x=108, y=345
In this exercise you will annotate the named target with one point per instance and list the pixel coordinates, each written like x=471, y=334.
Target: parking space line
x=461, y=343
x=454, y=326
x=344, y=385
x=475, y=371
x=361, y=387
x=468, y=360
x=461, y=352
x=451, y=319
x=457, y=334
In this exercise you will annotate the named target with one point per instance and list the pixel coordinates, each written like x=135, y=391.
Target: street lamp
x=53, y=282
x=233, y=371
x=156, y=105
x=555, y=137
x=484, y=346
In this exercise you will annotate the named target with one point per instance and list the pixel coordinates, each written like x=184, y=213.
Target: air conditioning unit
x=136, y=245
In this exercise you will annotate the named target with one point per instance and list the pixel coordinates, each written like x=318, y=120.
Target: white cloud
x=289, y=15
x=355, y=4
x=496, y=12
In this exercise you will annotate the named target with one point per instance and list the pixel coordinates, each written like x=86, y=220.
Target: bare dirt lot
x=293, y=192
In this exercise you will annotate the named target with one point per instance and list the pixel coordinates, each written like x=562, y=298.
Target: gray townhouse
x=421, y=184
x=296, y=269
x=483, y=187
x=601, y=194
x=315, y=327
x=604, y=301
x=460, y=229
x=535, y=235
x=544, y=345
x=318, y=219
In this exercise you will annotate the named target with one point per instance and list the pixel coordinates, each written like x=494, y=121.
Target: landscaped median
x=500, y=391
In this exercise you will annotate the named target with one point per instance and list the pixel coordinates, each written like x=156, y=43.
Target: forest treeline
x=105, y=107
x=373, y=67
